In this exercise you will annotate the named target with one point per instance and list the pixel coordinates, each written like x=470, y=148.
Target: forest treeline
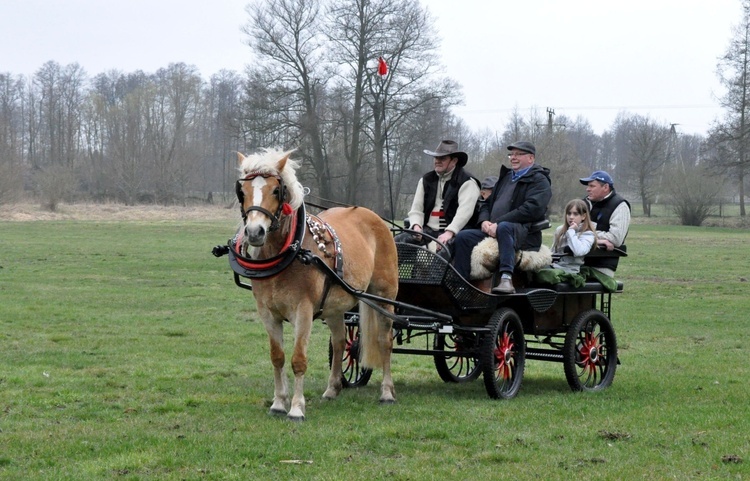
x=171, y=136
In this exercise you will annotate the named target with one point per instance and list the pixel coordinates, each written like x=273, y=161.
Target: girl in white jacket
x=574, y=239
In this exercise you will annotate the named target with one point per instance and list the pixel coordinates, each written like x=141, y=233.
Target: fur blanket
x=484, y=259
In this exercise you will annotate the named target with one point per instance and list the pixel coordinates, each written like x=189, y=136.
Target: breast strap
x=323, y=234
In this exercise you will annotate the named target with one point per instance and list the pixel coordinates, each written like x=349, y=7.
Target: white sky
x=593, y=58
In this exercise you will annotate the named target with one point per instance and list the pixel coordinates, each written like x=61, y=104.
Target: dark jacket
x=450, y=193
x=528, y=204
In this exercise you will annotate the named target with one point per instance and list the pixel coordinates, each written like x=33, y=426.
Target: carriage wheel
x=352, y=372
x=590, y=352
x=503, y=354
x=455, y=368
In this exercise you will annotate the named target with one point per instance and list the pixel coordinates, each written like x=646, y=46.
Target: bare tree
x=555, y=152
x=286, y=36
x=693, y=193
x=734, y=129
x=11, y=136
x=60, y=93
x=643, y=156
x=318, y=66
x=56, y=183
x=586, y=143
x=403, y=33
x=170, y=128
x=220, y=130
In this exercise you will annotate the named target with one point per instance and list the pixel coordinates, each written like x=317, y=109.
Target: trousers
x=467, y=239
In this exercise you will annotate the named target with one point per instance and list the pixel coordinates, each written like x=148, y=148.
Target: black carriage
x=470, y=331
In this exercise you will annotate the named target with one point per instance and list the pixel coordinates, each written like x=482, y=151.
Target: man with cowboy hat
x=445, y=197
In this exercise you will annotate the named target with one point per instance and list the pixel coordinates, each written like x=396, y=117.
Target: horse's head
x=267, y=191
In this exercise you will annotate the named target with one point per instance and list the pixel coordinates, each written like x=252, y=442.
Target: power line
x=592, y=107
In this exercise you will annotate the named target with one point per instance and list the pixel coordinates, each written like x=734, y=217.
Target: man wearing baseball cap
x=611, y=213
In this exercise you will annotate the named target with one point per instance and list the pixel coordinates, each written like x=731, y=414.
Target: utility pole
x=550, y=123
x=674, y=152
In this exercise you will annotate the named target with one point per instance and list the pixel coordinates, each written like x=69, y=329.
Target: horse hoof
x=387, y=401
x=296, y=419
x=277, y=412
x=330, y=395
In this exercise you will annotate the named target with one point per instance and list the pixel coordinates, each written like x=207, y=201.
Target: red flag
x=382, y=67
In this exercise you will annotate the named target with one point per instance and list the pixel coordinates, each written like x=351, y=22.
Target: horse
x=353, y=241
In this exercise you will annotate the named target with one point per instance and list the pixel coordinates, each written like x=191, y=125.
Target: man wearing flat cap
x=445, y=197
x=487, y=185
x=611, y=213
x=519, y=199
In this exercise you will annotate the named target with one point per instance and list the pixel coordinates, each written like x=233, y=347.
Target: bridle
x=283, y=208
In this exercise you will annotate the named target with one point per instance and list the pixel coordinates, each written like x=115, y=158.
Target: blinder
x=280, y=196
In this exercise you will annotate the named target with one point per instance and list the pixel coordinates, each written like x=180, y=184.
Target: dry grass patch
x=25, y=212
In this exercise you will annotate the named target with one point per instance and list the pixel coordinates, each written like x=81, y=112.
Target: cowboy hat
x=449, y=147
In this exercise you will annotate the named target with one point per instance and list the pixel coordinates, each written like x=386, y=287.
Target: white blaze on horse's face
x=259, y=192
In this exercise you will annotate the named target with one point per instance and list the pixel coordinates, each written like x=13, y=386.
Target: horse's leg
x=388, y=390
x=338, y=342
x=376, y=342
x=275, y=331
x=302, y=328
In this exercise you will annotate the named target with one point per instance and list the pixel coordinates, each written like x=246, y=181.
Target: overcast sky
x=593, y=58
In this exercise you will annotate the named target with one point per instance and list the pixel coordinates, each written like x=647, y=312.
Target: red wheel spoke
x=504, y=353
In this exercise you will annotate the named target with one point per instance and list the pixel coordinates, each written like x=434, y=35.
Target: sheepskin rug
x=484, y=259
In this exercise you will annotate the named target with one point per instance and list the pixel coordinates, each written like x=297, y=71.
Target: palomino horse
x=353, y=241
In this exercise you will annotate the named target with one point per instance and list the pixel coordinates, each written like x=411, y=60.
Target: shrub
x=693, y=193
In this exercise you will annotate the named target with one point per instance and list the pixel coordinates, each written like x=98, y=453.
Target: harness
x=323, y=235
x=283, y=207
x=264, y=268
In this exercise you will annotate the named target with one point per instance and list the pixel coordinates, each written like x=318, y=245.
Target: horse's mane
x=266, y=161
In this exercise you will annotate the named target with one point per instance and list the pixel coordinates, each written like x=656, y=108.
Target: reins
x=394, y=226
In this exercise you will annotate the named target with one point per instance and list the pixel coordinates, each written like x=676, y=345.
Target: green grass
x=126, y=352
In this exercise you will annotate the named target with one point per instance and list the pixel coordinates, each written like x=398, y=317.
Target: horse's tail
x=376, y=337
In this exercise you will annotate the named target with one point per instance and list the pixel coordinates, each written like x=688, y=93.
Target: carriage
x=470, y=331
x=380, y=297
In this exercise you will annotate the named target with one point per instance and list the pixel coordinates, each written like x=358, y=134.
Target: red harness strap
x=263, y=264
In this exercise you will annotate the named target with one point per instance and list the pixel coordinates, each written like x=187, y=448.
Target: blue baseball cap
x=599, y=175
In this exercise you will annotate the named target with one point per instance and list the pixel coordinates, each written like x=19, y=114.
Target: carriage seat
x=593, y=281
x=588, y=288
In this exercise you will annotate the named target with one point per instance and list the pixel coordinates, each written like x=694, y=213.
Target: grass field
x=126, y=352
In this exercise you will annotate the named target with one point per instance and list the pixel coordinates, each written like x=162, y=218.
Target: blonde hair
x=583, y=208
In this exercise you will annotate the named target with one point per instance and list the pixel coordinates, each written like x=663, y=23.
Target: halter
x=283, y=207
x=263, y=268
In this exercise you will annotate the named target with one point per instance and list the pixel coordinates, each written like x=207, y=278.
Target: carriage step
x=544, y=355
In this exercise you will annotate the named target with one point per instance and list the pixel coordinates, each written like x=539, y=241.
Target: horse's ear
x=282, y=162
x=240, y=159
